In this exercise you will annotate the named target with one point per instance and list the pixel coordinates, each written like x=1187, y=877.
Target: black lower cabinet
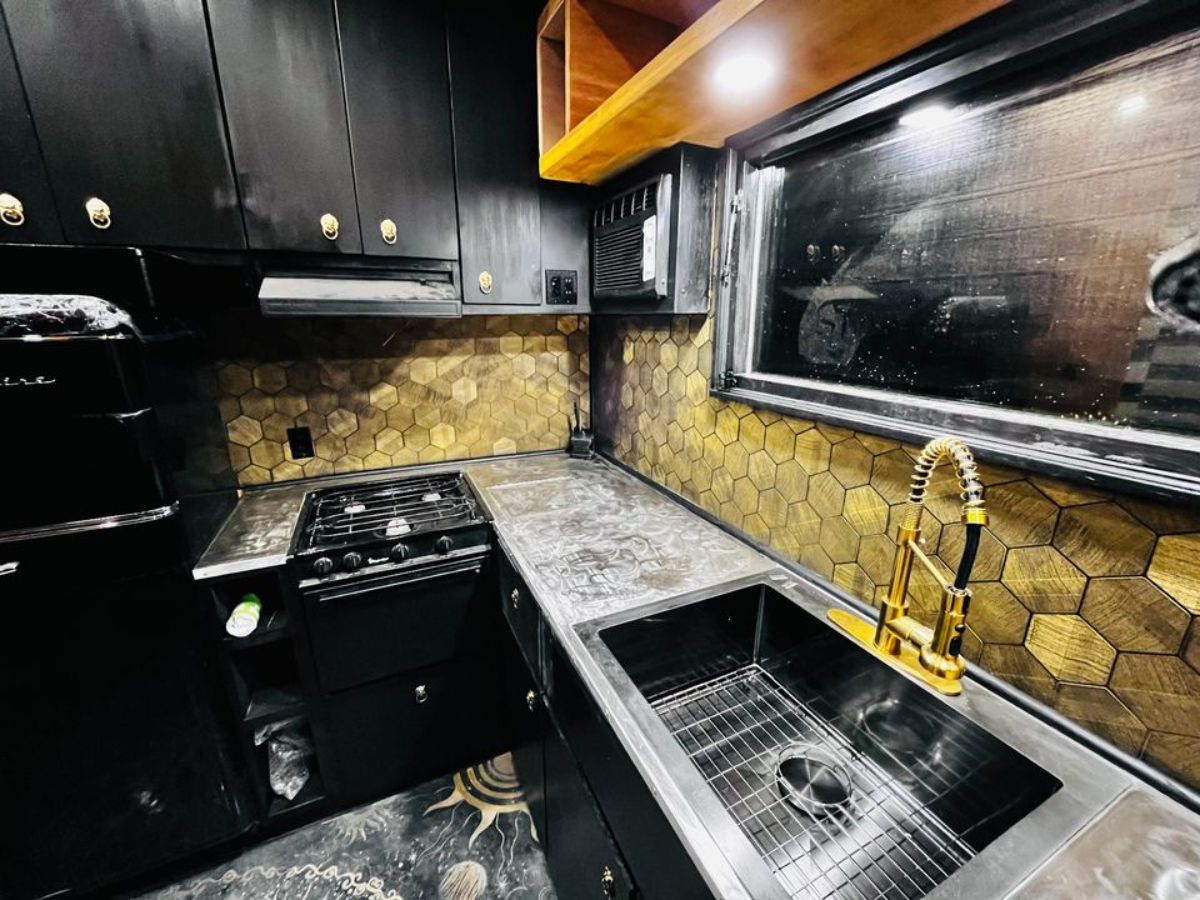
x=603, y=832
x=395, y=733
x=583, y=859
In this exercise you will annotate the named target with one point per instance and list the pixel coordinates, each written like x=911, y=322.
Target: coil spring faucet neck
x=931, y=654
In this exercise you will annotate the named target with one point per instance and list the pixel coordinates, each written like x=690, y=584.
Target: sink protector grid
x=881, y=843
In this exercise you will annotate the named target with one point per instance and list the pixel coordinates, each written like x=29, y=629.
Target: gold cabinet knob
x=329, y=226
x=531, y=700
x=608, y=883
x=12, y=210
x=486, y=281
x=387, y=228
x=515, y=597
x=98, y=212
x=421, y=694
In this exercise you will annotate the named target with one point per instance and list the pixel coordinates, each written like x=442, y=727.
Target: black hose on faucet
x=970, y=548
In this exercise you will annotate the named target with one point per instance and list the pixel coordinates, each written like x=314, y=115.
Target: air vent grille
x=617, y=258
x=635, y=202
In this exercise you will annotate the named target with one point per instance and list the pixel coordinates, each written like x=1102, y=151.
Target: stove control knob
x=352, y=561
x=322, y=565
x=443, y=545
x=399, y=552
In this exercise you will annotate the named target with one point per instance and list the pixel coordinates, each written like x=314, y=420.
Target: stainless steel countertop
x=597, y=546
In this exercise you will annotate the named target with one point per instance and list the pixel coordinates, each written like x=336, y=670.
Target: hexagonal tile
x=745, y=495
x=290, y=402
x=256, y=404
x=839, y=540
x=891, y=475
x=1133, y=614
x=727, y=426
x=780, y=442
x=267, y=454
x=342, y=422
x=1175, y=567
x=736, y=460
x=826, y=494
x=234, y=379
x=773, y=508
x=850, y=462
x=270, y=378
x=876, y=555
x=804, y=523
x=813, y=452
x=850, y=577
x=1162, y=691
x=866, y=510
x=697, y=387
x=360, y=443
x=1043, y=579
x=383, y=396
x=1098, y=709
x=1020, y=668
x=329, y=447
x=244, y=431
x=1191, y=645
x=1103, y=539
x=762, y=469
x=1177, y=754
x=752, y=433
x=1070, y=648
x=1020, y=515
x=275, y=427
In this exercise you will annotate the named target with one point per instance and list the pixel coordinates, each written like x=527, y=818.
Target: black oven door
x=368, y=626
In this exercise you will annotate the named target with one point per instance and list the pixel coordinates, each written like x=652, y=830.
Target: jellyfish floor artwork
x=465, y=836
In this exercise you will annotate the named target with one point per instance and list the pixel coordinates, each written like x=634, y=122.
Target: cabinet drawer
x=397, y=732
x=399, y=621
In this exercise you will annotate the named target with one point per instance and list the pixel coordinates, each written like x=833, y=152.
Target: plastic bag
x=288, y=750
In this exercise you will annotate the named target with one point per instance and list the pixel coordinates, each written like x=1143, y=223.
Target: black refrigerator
x=113, y=760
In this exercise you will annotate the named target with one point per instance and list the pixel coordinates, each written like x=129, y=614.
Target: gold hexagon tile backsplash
x=1088, y=601
x=423, y=391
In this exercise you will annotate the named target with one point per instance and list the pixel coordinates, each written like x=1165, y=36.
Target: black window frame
x=1129, y=460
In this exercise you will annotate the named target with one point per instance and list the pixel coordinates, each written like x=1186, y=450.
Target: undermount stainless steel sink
x=847, y=779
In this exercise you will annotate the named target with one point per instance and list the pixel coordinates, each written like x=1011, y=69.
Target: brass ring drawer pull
x=330, y=226
x=387, y=229
x=421, y=694
x=515, y=597
x=98, y=212
x=12, y=210
x=531, y=700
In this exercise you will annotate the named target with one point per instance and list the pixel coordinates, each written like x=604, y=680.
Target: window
x=979, y=260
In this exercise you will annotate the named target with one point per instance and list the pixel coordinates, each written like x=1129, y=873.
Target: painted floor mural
x=466, y=836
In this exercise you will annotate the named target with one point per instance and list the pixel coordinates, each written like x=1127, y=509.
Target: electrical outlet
x=300, y=442
x=562, y=287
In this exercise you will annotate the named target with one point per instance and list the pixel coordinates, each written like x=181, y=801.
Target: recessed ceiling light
x=931, y=116
x=743, y=73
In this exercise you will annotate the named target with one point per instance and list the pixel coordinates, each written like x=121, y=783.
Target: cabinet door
x=528, y=725
x=495, y=141
x=282, y=82
x=28, y=214
x=581, y=856
x=125, y=102
x=398, y=98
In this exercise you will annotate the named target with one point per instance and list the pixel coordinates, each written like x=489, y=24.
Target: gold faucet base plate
x=907, y=660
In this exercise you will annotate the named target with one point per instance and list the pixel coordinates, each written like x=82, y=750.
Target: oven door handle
x=401, y=580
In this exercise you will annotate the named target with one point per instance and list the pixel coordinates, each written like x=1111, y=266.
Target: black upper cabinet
x=495, y=139
x=282, y=82
x=398, y=97
x=27, y=212
x=126, y=106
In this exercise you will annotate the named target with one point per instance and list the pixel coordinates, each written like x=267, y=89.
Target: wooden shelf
x=625, y=78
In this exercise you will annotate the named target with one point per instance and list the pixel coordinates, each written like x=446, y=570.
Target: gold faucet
x=931, y=654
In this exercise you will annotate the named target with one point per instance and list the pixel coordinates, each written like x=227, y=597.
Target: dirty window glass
x=998, y=247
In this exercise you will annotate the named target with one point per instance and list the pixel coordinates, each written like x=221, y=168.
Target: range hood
x=424, y=289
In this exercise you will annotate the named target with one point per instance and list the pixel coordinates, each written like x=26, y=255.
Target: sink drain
x=812, y=779
x=901, y=730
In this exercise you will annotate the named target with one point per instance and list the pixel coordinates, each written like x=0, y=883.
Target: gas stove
x=385, y=524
